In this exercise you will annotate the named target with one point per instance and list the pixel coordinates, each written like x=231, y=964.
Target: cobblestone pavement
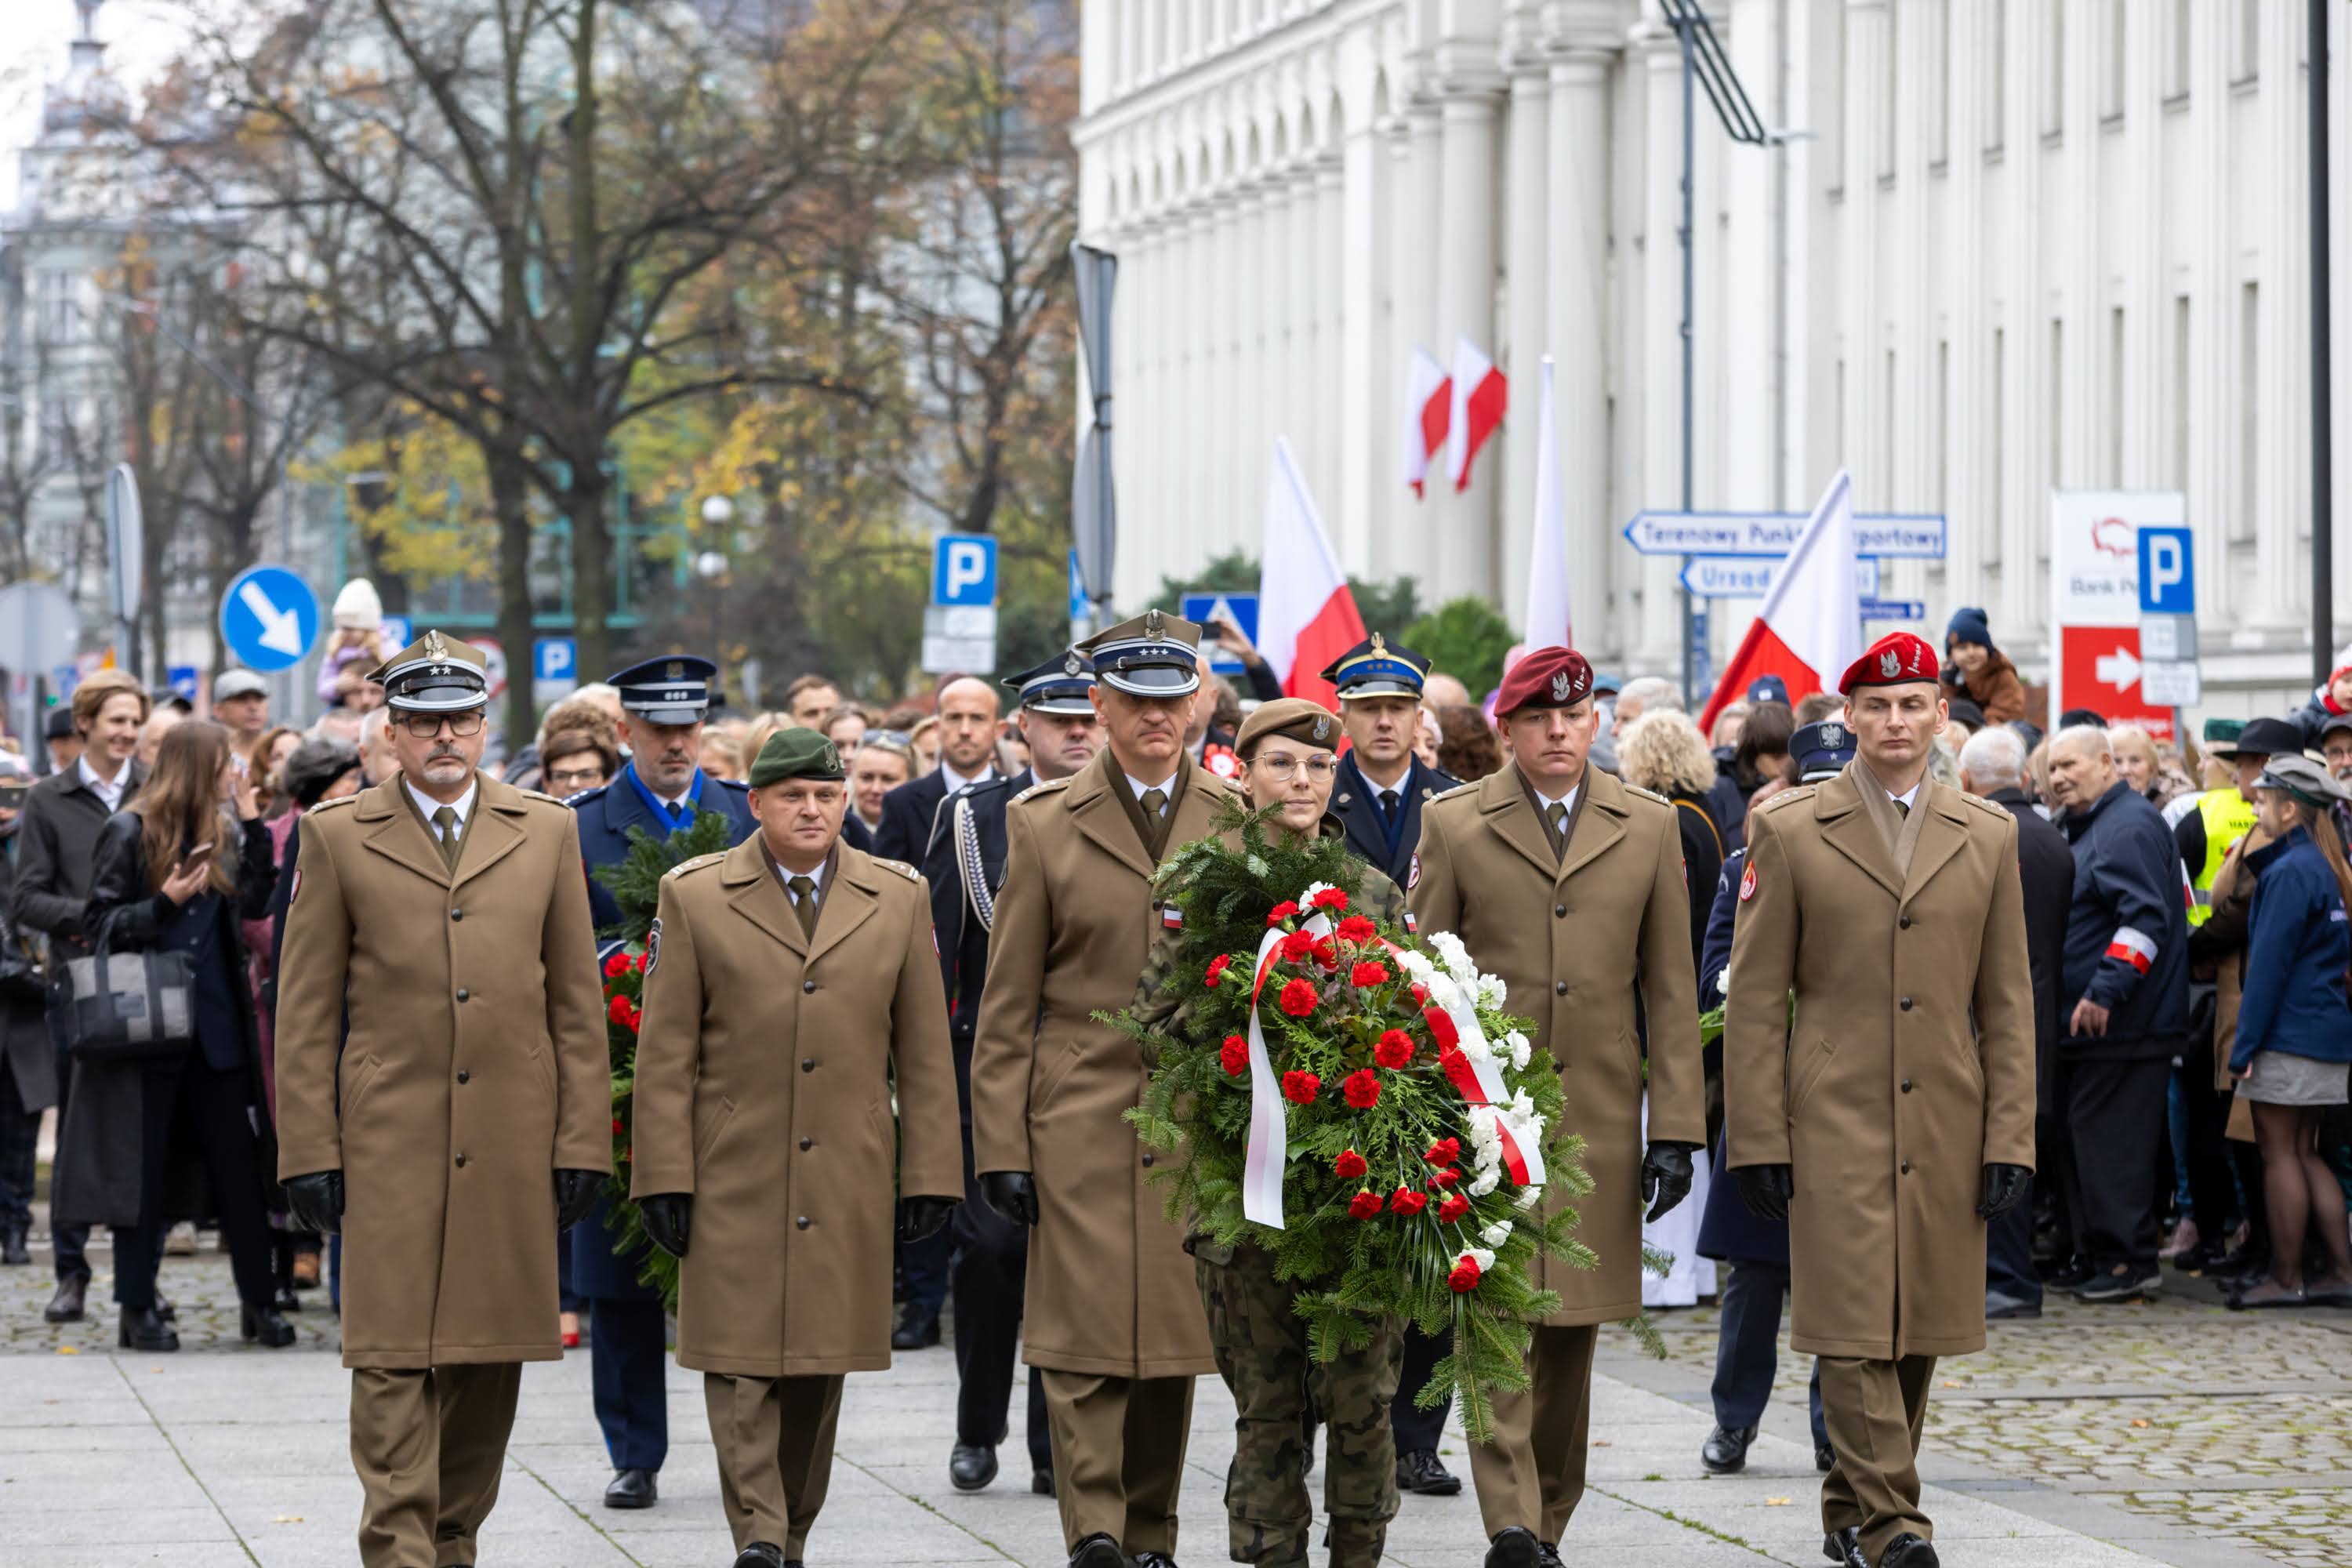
x=2234, y=1427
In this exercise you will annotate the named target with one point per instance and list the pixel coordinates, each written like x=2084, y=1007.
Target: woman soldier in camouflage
x=1286, y=757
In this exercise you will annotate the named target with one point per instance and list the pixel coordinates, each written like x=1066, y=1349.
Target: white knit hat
x=357, y=608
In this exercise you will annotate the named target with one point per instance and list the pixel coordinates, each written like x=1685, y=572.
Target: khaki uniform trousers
x=428, y=1446
x=775, y=1437
x=1118, y=1456
x=1875, y=1410
x=1532, y=1473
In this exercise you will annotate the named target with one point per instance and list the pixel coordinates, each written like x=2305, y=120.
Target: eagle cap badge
x=1561, y=684
x=1380, y=646
x=1890, y=663
x=1152, y=622
x=675, y=671
x=435, y=648
x=1070, y=665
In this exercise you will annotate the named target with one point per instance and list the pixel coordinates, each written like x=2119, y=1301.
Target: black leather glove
x=1666, y=1177
x=668, y=1217
x=316, y=1201
x=1766, y=1189
x=2005, y=1188
x=1011, y=1195
x=575, y=1195
x=924, y=1216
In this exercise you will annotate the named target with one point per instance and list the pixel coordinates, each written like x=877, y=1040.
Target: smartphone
x=196, y=857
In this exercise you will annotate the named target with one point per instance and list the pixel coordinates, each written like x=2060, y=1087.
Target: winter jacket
x=1996, y=687
x=2314, y=715
x=2126, y=928
x=2296, y=960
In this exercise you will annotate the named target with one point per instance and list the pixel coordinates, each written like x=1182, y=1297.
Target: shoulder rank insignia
x=1647, y=794
x=696, y=864
x=899, y=866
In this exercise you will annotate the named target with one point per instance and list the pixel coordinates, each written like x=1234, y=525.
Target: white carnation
x=1488, y=1178
x=1307, y=898
x=1517, y=1044
x=1482, y=1256
x=1497, y=1233
x=1528, y=1197
x=1492, y=992
x=1457, y=956
x=1475, y=1048
x=1523, y=1108
x=1416, y=963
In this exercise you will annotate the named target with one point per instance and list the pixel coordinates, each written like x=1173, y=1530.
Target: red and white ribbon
x=2134, y=947
x=1268, y=1153
x=1479, y=1081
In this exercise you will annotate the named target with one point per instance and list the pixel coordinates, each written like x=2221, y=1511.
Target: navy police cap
x=1823, y=748
x=1059, y=685
x=672, y=689
x=1377, y=668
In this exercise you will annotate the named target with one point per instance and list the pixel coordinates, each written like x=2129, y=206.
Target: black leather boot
x=66, y=1306
x=141, y=1329
x=263, y=1323
x=13, y=1250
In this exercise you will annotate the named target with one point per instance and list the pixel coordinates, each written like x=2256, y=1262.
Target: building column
x=1654, y=348
x=1365, y=360
x=2283, y=317
x=1575, y=317
x=1525, y=301
x=1247, y=391
x=1328, y=326
x=1294, y=276
x=1413, y=250
x=1466, y=292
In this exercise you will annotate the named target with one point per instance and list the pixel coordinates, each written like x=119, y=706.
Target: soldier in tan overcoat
x=1892, y=1115
x=464, y=1120
x=1568, y=885
x=1113, y=1318
x=789, y=981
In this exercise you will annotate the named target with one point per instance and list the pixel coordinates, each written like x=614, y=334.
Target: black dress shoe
x=1725, y=1452
x=66, y=1306
x=1999, y=1308
x=761, y=1555
x=1097, y=1551
x=1515, y=1546
x=1421, y=1471
x=635, y=1489
x=1547, y=1557
x=918, y=1332
x=1844, y=1547
x=1040, y=1482
x=1154, y=1560
x=13, y=1251
x=2077, y=1271
x=1824, y=1457
x=263, y=1324
x=971, y=1467
x=1907, y=1550
x=165, y=1310
x=141, y=1329
x=285, y=1300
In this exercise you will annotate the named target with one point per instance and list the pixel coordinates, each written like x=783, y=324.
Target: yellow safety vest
x=2229, y=817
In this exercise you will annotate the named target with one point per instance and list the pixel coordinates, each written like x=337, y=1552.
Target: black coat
x=56, y=843
x=912, y=822
x=1356, y=804
x=1728, y=1230
x=2129, y=897
x=101, y=1147
x=963, y=883
x=2047, y=866
x=26, y=1053
x=1703, y=851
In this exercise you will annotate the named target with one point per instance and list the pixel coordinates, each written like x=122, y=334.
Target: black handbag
x=123, y=1006
x=20, y=966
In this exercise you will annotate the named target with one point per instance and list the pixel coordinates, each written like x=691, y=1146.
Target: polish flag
x=1428, y=406
x=1480, y=394
x=1551, y=621
x=1305, y=617
x=1809, y=628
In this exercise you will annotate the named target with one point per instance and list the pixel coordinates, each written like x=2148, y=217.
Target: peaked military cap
x=1377, y=668
x=1058, y=686
x=672, y=689
x=435, y=674
x=1154, y=655
x=1823, y=748
x=2301, y=778
x=796, y=753
x=1293, y=718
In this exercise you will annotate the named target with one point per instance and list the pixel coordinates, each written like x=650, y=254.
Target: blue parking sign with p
x=963, y=570
x=555, y=658
x=2167, y=572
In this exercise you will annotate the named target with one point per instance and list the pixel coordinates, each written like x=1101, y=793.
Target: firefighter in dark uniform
x=965, y=865
x=1377, y=797
x=660, y=789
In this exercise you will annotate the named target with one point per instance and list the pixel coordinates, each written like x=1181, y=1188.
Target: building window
x=1995, y=75
x=2250, y=411
x=57, y=307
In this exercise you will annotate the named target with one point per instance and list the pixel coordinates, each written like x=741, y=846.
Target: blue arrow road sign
x=1893, y=610
x=2168, y=572
x=1239, y=608
x=268, y=617
x=399, y=631
x=182, y=678
x=963, y=570
x=1911, y=534
x=1750, y=576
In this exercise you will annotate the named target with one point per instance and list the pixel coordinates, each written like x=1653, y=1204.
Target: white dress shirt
x=1167, y=788
x=107, y=790
x=957, y=783
x=463, y=805
x=1544, y=803
x=785, y=875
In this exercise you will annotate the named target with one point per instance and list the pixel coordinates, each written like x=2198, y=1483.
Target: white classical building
x=2006, y=246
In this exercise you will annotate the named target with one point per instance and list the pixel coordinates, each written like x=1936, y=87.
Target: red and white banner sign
x=2095, y=609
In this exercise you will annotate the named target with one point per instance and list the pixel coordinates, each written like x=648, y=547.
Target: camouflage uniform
x=1263, y=1356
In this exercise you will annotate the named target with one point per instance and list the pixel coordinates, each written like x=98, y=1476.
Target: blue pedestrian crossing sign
x=1241, y=609
x=268, y=618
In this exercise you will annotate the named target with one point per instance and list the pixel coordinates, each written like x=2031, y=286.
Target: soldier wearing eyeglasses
x=464, y=1121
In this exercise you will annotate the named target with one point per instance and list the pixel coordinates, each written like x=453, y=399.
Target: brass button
x=805, y=1142
x=803, y=1220
x=1904, y=1003
x=463, y=1074
x=808, y=1064
x=807, y=985
x=463, y=993
x=461, y=1161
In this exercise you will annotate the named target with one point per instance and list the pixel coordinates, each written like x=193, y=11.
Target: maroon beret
x=1898, y=659
x=1544, y=678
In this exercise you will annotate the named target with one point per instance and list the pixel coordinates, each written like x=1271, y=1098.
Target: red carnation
x=1281, y=912
x=1300, y=1087
x=619, y=1010
x=1234, y=1054
x=1393, y=1048
x=1362, y=1089
x=1452, y=1062
x=1350, y=1166
x=1297, y=946
x=638, y=962
x=1445, y=1151
x=1298, y=997
x=1217, y=968
x=1452, y=1207
x=1446, y=1177
x=1364, y=1206
x=617, y=1127
x=636, y=1017
x=1465, y=1277
x=1369, y=973
x=1325, y=953
x=1358, y=929
x=616, y=965
x=1405, y=1201
x=1331, y=899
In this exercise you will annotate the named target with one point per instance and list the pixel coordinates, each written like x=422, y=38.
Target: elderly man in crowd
x=2125, y=986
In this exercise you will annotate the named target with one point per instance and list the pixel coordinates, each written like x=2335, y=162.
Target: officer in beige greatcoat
x=464, y=1120
x=789, y=983
x=1113, y=1318
x=1892, y=1114
x=1568, y=885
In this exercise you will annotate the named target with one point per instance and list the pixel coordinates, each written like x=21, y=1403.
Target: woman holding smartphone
x=178, y=869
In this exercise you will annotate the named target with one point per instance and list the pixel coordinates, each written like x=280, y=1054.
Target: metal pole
x=2323, y=502
x=1690, y=607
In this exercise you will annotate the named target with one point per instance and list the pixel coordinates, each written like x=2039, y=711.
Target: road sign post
x=268, y=618
x=959, y=624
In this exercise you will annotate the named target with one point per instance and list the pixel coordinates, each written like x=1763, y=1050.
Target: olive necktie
x=804, y=904
x=1155, y=801
x=1555, y=817
x=445, y=820
x=1902, y=806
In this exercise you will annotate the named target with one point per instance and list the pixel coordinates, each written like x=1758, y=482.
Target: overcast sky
x=139, y=36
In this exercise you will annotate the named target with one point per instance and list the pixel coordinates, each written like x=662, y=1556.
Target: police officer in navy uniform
x=1378, y=797
x=965, y=865
x=659, y=789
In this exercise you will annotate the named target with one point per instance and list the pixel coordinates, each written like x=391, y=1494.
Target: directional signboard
x=1750, y=576
x=1241, y=609
x=2096, y=599
x=1874, y=609
x=268, y=618
x=1918, y=535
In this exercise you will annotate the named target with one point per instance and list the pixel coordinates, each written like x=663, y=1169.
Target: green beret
x=1294, y=719
x=797, y=754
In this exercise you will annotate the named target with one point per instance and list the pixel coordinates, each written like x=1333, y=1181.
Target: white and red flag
x=1809, y=628
x=1480, y=394
x=1306, y=616
x=1428, y=406
x=1551, y=612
